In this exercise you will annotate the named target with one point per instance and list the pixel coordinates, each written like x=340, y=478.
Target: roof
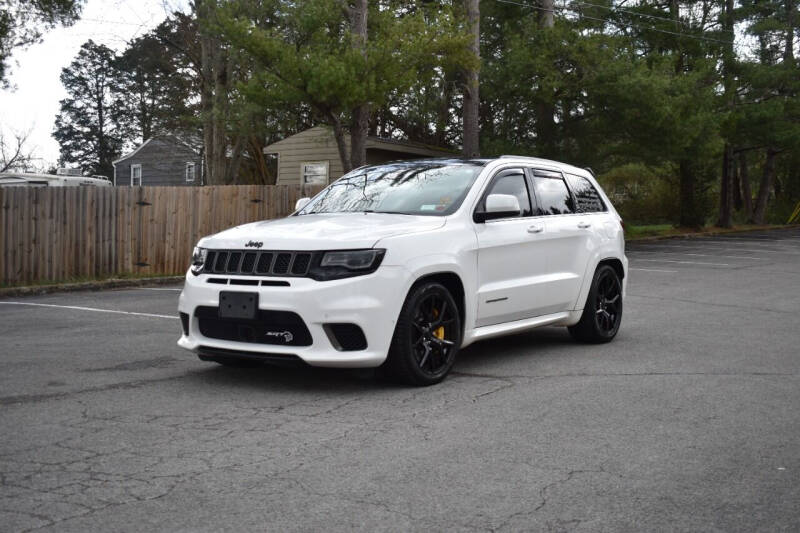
x=7, y=177
x=379, y=143
x=189, y=143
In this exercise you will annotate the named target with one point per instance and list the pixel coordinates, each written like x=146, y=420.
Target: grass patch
x=634, y=232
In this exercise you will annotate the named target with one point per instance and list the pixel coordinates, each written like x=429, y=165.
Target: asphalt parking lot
x=690, y=420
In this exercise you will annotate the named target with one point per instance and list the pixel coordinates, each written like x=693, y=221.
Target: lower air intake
x=346, y=337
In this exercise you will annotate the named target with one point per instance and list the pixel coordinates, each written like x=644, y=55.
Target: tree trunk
x=788, y=51
x=725, y=200
x=341, y=143
x=760, y=211
x=471, y=124
x=689, y=216
x=443, y=111
x=545, y=108
x=737, y=185
x=207, y=94
x=546, y=19
x=360, y=123
x=234, y=162
x=220, y=138
x=726, y=190
x=744, y=179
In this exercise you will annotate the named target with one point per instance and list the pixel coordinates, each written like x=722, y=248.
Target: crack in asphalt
x=35, y=398
x=74, y=477
x=616, y=374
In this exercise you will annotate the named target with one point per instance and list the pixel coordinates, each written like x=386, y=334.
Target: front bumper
x=371, y=302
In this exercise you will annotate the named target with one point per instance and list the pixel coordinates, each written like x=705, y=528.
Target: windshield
x=420, y=188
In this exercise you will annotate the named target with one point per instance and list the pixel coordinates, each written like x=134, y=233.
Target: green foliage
x=156, y=85
x=89, y=125
x=22, y=22
x=647, y=94
x=302, y=52
x=643, y=194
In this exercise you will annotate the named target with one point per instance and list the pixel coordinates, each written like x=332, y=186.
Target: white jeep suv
x=400, y=265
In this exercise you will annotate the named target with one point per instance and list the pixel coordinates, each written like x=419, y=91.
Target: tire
x=427, y=337
x=602, y=312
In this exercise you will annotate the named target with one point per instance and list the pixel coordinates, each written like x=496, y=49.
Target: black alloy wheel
x=427, y=337
x=602, y=314
x=608, y=303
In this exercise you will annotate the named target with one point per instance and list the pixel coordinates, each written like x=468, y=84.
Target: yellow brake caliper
x=438, y=332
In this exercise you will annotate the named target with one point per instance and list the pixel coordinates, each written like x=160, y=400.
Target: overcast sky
x=32, y=103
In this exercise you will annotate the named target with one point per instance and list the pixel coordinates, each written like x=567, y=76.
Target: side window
x=512, y=181
x=586, y=196
x=553, y=195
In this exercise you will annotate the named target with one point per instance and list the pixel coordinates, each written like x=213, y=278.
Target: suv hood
x=322, y=232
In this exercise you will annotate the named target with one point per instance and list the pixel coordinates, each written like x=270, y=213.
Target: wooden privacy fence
x=61, y=233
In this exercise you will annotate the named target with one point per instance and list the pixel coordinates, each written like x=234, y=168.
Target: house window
x=136, y=175
x=189, y=172
x=314, y=173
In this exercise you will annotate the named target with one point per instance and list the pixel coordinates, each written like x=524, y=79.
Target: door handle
x=584, y=225
x=535, y=229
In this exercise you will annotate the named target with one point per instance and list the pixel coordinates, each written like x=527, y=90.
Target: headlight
x=198, y=259
x=346, y=264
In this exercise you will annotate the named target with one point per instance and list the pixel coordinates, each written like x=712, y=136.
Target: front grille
x=267, y=263
x=282, y=328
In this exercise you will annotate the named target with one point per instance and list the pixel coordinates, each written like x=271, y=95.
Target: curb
x=113, y=283
x=701, y=234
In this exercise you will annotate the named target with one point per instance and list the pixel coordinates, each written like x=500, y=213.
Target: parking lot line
x=683, y=262
x=94, y=309
x=696, y=255
x=653, y=270
x=157, y=289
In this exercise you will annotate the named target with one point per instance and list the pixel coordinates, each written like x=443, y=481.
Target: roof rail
x=518, y=156
x=590, y=171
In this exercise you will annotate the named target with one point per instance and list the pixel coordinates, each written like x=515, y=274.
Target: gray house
x=161, y=160
x=312, y=158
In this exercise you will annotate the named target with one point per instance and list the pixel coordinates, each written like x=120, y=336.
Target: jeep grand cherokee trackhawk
x=402, y=264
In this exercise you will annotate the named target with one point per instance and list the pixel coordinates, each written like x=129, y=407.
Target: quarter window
x=586, y=196
x=553, y=195
x=512, y=182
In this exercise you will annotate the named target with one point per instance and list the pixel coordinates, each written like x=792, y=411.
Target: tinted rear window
x=586, y=196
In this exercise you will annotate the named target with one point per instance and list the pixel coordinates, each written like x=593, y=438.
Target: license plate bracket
x=242, y=305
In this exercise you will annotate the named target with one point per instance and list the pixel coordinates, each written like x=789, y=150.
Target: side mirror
x=301, y=203
x=498, y=206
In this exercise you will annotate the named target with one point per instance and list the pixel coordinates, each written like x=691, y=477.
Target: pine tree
x=155, y=90
x=339, y=60
x=89, y=124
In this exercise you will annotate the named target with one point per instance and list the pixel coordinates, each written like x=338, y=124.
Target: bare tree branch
x=14, y=153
